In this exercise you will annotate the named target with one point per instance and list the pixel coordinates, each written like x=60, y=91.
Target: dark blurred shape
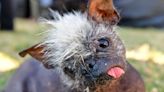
x=37, y=8
x=64, y=6
x=22, y=8
x=27, y=9
x=141, y=13
x=7, y=15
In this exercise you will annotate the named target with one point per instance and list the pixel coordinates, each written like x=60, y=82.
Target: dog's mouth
x=92, y=78
x=112, y=73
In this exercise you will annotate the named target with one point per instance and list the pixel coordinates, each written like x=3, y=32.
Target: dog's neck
x=96, y=88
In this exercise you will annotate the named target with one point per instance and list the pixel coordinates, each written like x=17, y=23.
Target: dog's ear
x=36, y=52
x=103, y=11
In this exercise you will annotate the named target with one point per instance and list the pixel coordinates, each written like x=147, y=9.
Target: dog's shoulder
x=132, y=81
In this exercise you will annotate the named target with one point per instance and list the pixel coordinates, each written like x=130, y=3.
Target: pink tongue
x=116, y=72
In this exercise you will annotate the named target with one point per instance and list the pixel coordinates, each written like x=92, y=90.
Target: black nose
x=88, y=67
x=91, y=65
x=97, y=66
x=91, y=69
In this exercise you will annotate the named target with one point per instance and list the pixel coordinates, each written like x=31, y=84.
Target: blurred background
x=141, y=28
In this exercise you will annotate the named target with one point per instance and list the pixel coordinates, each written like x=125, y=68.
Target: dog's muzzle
x=95, y=71
x=101, y=70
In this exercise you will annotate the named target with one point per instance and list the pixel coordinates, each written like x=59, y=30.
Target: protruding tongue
x=116, y=72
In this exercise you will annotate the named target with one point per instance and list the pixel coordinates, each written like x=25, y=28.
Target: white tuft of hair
x=67, y=36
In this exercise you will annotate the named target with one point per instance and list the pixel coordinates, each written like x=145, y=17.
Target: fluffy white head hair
x=69, y=33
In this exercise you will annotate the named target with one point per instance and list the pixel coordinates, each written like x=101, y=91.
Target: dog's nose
x=88, y=67
x=95, y=67
x=91, y=65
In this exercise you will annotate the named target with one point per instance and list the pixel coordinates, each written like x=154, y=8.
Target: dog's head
x=86, y=54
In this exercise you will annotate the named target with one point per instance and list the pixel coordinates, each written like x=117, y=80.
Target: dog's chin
x=99, y=80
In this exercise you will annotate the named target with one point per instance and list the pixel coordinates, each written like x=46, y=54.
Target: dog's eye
x=103, y=42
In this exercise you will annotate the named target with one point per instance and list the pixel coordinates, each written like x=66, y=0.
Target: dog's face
x=87, y=54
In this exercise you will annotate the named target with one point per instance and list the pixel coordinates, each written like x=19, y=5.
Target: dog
x=82, y=55
x=81, y=52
